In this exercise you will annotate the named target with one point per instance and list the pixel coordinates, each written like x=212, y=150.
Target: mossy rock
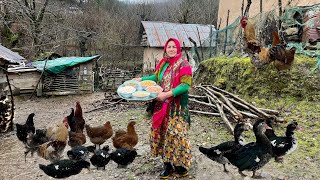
x=239, y=76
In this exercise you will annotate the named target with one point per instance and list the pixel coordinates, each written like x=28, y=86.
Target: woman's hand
x=137, y=79
x=162, y=96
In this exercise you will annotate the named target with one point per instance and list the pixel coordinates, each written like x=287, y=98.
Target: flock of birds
x=50, y=144
x=254, y=155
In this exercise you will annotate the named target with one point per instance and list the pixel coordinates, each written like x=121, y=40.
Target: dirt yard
x=204, y=131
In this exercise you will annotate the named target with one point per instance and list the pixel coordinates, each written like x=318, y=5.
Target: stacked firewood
x=6, y=117
x=229, y=107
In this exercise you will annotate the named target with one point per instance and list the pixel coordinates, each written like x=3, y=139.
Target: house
x=64, y=76
x=7, y=57
x=267, y=5
x=157, y=33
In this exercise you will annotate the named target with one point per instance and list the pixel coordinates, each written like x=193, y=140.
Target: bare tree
x=34, y=13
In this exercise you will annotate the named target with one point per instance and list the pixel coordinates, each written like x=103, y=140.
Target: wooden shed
x=24, y=80
x=157, y=33
x=67, y=75
x=7, y=57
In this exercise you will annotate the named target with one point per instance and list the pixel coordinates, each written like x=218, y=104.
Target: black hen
x=100, y=159
x=92, y=148
x=34, y=141
x=25, y=129
x=285, y=144
x=217, y=153
x=71, y=121
x=123, y=157
x=64, y=168
x=78, y=153
x=253, y=156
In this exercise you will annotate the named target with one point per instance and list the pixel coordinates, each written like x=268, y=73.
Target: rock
x=282, y=178
x=266, y=175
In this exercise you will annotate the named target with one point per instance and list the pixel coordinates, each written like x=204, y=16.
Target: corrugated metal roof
x=10, y=56
x=158, y=32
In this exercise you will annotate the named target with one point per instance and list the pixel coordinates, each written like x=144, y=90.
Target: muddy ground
x=204, y=131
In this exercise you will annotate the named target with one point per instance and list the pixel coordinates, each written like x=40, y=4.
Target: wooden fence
x=111, y=79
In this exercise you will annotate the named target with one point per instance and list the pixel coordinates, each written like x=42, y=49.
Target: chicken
x=127, y=139
x=76, y=139
x=71, y=122
x=283, y=58
x=123, y=157
x=53, y=149
x=76, y=136
x=100, y=159
x=250, y=35
x=99, y=135
x=261, y=56
x=78, y=153
x=25, y=129
x=34, y=141
x=93, y=148
x=64, y=168
x=78, y=118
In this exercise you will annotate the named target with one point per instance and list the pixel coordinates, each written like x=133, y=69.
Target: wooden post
x=283, y=41
x=241, y=36
x=185, y=51
x=200, y=45
x=280, y=13
x=226, y=38
x=12, y=103
x=195, y=49
x=217, y=37
x=242, y=8
x=210, y=50
x=246, y=12
x=260, y=33
x=261, y=9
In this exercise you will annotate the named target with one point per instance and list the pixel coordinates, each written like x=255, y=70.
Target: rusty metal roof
x=8, y=55
x=158, y=32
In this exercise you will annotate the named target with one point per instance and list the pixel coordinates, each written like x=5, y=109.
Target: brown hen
x=99, y=135
x=76, y=138
x=127, y=139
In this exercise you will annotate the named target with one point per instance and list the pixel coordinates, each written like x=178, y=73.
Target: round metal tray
x=135, y=98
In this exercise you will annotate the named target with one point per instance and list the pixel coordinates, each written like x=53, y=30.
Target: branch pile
x=217, y=102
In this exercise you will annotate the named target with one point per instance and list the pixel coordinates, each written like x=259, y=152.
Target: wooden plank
x=60, y=93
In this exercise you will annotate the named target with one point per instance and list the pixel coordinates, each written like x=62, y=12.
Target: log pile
x=113, y=102
x=217, y=102
x=6, y=116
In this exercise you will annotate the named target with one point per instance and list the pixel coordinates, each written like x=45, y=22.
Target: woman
x=171, y=120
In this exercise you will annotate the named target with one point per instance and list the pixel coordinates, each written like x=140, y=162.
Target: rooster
x=34, y=141
x=282, y=58
x=76, y=136
x=261, y=56
x=250, y=35
x=78, y=117
x=24, y=129
x=123, y=139
x=53, y=149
